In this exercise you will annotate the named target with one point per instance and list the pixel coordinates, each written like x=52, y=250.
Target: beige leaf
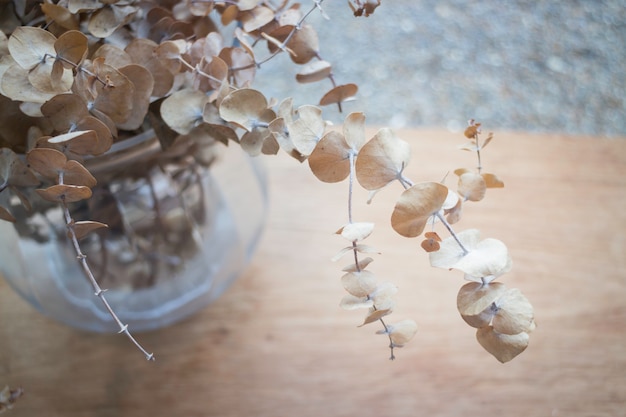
x=60, y=15
x=341, y=253
x=472, y=186
x=381, y=160
x=375, y=315
x=503, y=346
x=50, y=77
x=184, y=110
x=360, y=283
x=366, y=249
x=330, y=160
x=252, y=142
x=65, y=111
x=415, y=206
x=356, y=231
x=256, y=18
x=30, y=46
x=143, y=84
x=75, y=173
x=314, y=71
x=339, y=94
x=362, y=264
x=401, y=332
x=279, y=130
x=144, y=52
x=243, y=107
x=307, y=129
x=475, y=302
x=354, y=130
x=82, y=229
x=350, y=302
x=16, y=86
x=304, y=44
x=484, y=259
x=82, y=142
x=491, y=181
x=514, y=313
x=105, y=21
x=48, y=162
x=64, y=193
x=71, y=47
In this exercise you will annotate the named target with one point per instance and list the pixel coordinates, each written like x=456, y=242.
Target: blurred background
x=535, y=66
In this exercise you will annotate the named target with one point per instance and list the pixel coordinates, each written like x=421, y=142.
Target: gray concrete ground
x=539, y=66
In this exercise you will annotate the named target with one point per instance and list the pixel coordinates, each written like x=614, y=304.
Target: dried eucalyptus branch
x=99, y=292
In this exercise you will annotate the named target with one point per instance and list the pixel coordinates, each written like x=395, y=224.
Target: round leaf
x=475, y=302
x=415, y=206
x=330, y=160
x=381, y=160
x=503, y=346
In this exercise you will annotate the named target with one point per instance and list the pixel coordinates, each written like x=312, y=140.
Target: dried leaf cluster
x=504, y=318
x=81, y=76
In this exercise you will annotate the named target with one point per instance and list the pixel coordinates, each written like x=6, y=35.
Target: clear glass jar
x=179, y=234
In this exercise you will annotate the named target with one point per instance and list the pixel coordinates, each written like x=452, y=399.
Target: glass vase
x=179, y=233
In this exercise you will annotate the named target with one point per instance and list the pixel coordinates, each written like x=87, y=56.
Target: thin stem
x=99, y=292
x=452, y=233
x=317, y=5
x=352, y=159
x=480, y=167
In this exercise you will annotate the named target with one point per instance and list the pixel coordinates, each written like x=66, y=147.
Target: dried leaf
x=15, y=84
x=63, y=193
x=82, y=229
x=307, y=129
x=48, y=162
x=354, y=130
x=30, y=46
x=244, y=108
x=350, y=302
x=375, y=315
x=61, y=16
x=184, y=110
x=13, y=171
x=339, y=94
x=304, y=44
x=514, y=313
x=382, y=160
x=359, y=283
x=356, y=231
x=491, y=181
x=484, y=259
x=415, y=206
x=81, y=142
x=401, y=332
x=363, y=263
x=143, y=84
x=330, y=160
x=71, y=47
x=314, y=71
x=430, y=245
x=472, y=186
x=503, y=347
x=75, y=173
x=256, y=18
x=475, y=302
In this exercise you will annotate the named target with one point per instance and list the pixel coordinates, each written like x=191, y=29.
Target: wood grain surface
x=277, y=344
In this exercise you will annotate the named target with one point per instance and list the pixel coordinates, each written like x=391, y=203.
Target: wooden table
x=277, y=344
